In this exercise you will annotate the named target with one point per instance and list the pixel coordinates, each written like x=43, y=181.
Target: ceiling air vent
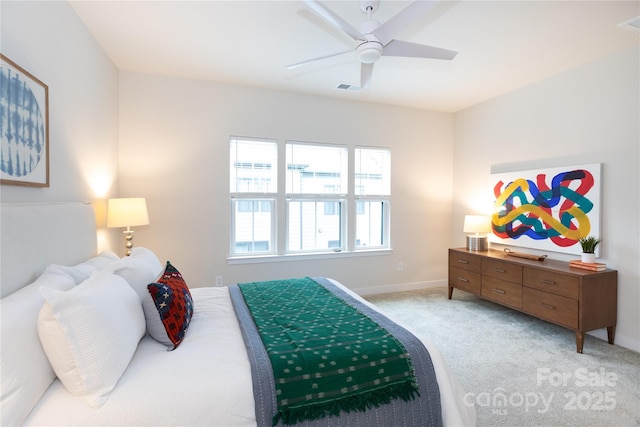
x=345, y=86
x=632, y=24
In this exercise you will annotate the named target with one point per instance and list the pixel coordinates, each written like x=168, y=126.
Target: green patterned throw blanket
x=326, y=356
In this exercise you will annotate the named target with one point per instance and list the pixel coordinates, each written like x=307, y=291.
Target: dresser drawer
x=554, y=282
x=502, y=270
x=465, y=261
x=502, y=292
x=465, y=280
x=555, y=308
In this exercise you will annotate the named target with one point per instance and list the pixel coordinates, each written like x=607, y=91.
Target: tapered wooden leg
x=579, y=341
x=611, y=333
x=450, y=291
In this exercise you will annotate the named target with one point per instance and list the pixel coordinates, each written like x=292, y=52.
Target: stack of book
x=592, y=266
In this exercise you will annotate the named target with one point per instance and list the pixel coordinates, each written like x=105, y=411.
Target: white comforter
x=205, y=382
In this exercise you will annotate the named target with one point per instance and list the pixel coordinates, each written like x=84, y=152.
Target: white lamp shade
x=127, y=212
x=477, y=224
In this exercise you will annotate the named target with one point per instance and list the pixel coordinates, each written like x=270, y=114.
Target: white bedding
x=205, y=381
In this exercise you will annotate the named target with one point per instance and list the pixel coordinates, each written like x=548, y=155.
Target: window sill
x=255, y=259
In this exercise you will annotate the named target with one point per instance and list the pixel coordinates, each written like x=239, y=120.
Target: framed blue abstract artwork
x=24, y=127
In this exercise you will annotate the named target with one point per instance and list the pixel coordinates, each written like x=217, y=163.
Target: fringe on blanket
x=406, y=391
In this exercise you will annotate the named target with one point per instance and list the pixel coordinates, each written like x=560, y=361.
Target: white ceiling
x=502, y=45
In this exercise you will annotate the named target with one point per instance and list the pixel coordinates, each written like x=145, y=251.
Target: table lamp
x=478, y=226
x=127, y=212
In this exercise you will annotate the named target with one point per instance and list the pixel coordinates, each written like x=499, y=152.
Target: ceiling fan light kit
x=373, y=37
x=369, y=52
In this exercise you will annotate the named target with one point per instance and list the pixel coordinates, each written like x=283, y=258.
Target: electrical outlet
x=400, y=266
x=218, y=280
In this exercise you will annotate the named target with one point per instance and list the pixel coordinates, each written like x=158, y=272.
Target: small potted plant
x=589, y=248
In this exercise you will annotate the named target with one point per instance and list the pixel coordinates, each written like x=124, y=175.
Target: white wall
x=587, y=115
x=174, y=137
x=48, y=40
x=173, y=150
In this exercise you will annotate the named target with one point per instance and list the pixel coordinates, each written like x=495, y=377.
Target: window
x=316, y=190
x=253, y=190
x=311, y=229
x=315, y=197
x=373, y=186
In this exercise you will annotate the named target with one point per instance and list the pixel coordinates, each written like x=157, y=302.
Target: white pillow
x=81, y=272
x=90, y=334
x=138, y=269
x=26, y=373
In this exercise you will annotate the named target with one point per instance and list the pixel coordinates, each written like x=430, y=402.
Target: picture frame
x=24, y=127
x=547, y=209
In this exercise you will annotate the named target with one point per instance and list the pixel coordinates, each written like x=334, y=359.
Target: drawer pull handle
x=462, y=279
x=463, y=261
x=500, y=291
x=547, y=306
x=548, y=282
x=499, y=270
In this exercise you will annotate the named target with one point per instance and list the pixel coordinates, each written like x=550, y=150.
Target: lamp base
x=477, y=243
x=128, y=241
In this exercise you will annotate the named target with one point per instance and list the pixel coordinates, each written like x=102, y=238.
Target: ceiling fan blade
x=366, y=71
x=387, y=31
x=308, y=61
x=414, y=50
x=333, y=19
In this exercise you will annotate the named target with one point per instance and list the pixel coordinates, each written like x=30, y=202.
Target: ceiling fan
x=375, y=39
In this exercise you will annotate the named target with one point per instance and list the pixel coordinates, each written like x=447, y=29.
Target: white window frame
x=253, y=197
x=385, y=199
x=342, y=202
x=238, y=196
x=347, y=199
x=294, y=194
x=384, y=226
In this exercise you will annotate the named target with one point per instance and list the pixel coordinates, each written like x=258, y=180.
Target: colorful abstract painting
x=548, y=209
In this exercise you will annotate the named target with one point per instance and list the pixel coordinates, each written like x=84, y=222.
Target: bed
x=129, y=369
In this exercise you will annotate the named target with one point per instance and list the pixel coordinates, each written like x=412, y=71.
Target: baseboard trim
x=620, y=340
x=399, y=287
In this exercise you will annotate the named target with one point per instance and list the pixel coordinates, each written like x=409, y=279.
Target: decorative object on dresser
x=592, y=266
x=589, y=245
x=479, y=226
x=127, y=212
x=524, y=255
x=552, y=290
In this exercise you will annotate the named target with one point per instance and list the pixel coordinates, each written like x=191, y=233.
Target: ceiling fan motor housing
x=370, y=50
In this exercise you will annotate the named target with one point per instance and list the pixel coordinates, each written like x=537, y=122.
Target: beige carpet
x=521, y=371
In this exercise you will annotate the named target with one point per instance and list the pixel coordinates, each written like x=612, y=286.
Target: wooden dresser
x=577, y=299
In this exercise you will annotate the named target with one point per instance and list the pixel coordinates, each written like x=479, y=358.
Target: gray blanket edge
x=422, y=411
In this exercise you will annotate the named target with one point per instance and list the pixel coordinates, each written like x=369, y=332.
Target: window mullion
x=351, y=199
x=281, y=203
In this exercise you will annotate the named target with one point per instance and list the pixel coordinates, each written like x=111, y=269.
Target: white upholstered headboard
x=35, y=235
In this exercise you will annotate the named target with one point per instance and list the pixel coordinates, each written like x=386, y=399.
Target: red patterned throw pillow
x=169, y=316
